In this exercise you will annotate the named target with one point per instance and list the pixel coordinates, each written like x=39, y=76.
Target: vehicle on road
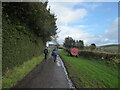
x=73, y=52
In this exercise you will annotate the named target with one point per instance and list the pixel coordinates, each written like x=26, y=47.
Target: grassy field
x=11, y=77
x=90, y=73
x=112, y=49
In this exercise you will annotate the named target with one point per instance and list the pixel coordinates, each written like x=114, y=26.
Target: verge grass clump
x=12, y=76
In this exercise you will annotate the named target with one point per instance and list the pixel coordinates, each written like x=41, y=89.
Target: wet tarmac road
x=48, y=74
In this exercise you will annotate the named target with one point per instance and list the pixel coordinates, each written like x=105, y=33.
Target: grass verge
x=90, y=73
x=11, y=77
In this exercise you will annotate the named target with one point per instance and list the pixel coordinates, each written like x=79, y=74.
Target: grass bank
x=14, y=75
x=90, y=73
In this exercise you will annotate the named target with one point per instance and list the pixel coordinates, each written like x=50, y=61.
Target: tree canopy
x=34, y=15
x=69, y=42
x=92, y=46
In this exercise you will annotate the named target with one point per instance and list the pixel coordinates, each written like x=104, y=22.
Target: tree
x=93, y=46
x=80, y=44
x=34, y=15
x=54, y=39
x=69, y=42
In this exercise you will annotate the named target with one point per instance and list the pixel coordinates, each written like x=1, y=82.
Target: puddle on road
x=60, y=64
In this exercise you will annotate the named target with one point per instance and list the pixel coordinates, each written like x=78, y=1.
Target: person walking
x=55, y=53
x=45, y=52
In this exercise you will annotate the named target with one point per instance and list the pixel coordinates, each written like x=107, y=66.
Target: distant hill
x=110, y=45
x=109, y=48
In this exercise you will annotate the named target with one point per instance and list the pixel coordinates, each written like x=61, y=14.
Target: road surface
x=47, y=74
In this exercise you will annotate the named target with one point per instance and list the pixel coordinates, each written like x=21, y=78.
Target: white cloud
x=112, y=32
x=78, y=34
x=91, y=5
x=110, y=36
x=66, y=14
x=84, y=0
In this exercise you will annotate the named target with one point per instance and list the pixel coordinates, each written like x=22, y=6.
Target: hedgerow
x=105, y=56
x=26, y=26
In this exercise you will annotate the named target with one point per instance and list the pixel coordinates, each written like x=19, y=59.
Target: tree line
x=69, y=42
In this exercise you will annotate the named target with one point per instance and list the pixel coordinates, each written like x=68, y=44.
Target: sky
x=92, y=22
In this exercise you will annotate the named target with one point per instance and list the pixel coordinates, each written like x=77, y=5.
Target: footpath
x=47, y=74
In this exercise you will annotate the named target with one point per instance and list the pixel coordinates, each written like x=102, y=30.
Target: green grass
x=113, y=47
x=11, y=77
x=90, y=73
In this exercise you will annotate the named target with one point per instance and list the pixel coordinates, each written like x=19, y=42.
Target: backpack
x=54, y=52
x=45, y=51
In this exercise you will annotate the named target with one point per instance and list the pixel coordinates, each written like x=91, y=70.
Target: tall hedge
x=26, y=28
x=108, y=57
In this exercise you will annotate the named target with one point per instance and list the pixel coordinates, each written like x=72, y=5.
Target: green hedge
x=26, y=27
x=18, y=45
x=109, y=57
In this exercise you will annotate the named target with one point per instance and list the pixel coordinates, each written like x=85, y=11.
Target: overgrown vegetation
x=34, y=15
x=112, y=58
x=87, y=73
x=26, y=28
x=11, y=77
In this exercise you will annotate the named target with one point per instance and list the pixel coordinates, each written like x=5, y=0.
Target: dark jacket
x=45, y=51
